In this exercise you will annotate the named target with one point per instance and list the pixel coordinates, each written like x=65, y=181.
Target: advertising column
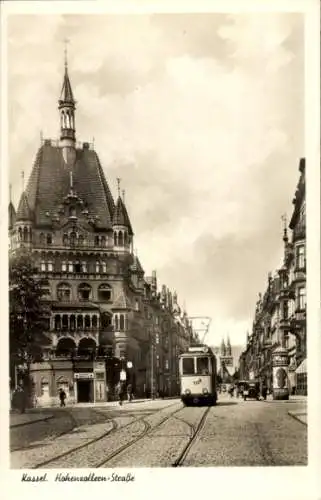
x=280, y=363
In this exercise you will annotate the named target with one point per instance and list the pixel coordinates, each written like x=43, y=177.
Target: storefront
x=302, y=379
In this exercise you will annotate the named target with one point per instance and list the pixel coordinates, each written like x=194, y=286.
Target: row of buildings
x=276, y=348
x=108, y=321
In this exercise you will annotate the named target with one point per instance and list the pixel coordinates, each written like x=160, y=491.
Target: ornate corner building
x=276, y=350
x=104, y=311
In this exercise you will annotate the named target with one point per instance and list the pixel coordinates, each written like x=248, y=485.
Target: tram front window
x=188, y=366
x=202, y=366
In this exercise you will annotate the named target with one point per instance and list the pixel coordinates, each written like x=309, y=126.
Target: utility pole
x=152, y=366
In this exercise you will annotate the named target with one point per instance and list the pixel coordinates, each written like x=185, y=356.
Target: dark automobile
x=251, y=390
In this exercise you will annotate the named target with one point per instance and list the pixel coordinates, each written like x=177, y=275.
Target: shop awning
x=302, y=368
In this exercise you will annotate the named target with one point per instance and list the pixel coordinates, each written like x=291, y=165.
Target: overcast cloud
x=201, y=116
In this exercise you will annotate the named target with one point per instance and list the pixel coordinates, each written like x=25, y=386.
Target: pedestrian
x=129, y=392
x=62, y=397
x=121, y=392
x=264, y=391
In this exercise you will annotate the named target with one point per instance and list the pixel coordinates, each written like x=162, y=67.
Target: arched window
x=116, y=323
x=94, y=321
x=120, y=239
x=121, y=322
x=20, y=233
x=64, y=292
x=80, y=322
x=103, y=241
x=115, y=239
x=136, y=305
x=97, y=267
x=104, y=293
x=80, y=240
x=125, y=238
x=87, y=321
x=65, y=322
x=57, y=322
x=65, y=239
x=96, y=241
x=73, y=238
x=105, y=320
x=72, y=322
x=87, y=347
x=65, y=347
x=104, y=267
x=25, y=234
x=84, y=291
x=49, y=239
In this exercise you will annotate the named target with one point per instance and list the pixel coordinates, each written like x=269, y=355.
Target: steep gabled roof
x=122, y=301
x=11, y=215
x=136, y=266
x=23, y=212
x=120, y=216
x=49, y=184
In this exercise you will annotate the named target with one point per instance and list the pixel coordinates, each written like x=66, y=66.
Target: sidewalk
x=293, y=399
x=125, y=403
x=31, y=416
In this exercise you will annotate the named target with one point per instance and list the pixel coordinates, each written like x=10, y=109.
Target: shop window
x=45, y=388
x=104, y=293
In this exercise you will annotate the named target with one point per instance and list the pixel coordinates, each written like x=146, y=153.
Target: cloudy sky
x=201, y=116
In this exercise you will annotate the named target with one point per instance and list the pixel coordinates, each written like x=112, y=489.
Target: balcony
x=285, y=323
x=299, y=232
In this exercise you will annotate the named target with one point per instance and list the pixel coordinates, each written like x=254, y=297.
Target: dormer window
x=73, y=238
x=72, y=212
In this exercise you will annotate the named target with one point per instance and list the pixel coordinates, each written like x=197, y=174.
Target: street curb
x=43, y=419
x=297, y=418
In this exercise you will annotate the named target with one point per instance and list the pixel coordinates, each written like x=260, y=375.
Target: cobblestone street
x=164, y=433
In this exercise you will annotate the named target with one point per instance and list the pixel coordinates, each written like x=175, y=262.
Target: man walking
x=62, y=397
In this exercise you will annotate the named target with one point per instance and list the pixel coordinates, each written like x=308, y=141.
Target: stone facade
x=279, y=326
x=104, y=311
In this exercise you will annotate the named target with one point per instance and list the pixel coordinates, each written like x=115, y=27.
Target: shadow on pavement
x=226, y=403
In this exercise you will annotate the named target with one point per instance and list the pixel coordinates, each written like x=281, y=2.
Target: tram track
x=112, y=431
x=196, y=430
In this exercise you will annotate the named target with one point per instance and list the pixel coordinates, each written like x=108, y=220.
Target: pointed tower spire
x=223, y=348
x=67, y=106
x=11, y=209
x=228, y=346
x=285, y=229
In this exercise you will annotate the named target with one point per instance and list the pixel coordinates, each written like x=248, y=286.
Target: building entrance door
x=84, y=390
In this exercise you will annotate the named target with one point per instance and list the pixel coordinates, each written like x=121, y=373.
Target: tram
x=198, y=376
